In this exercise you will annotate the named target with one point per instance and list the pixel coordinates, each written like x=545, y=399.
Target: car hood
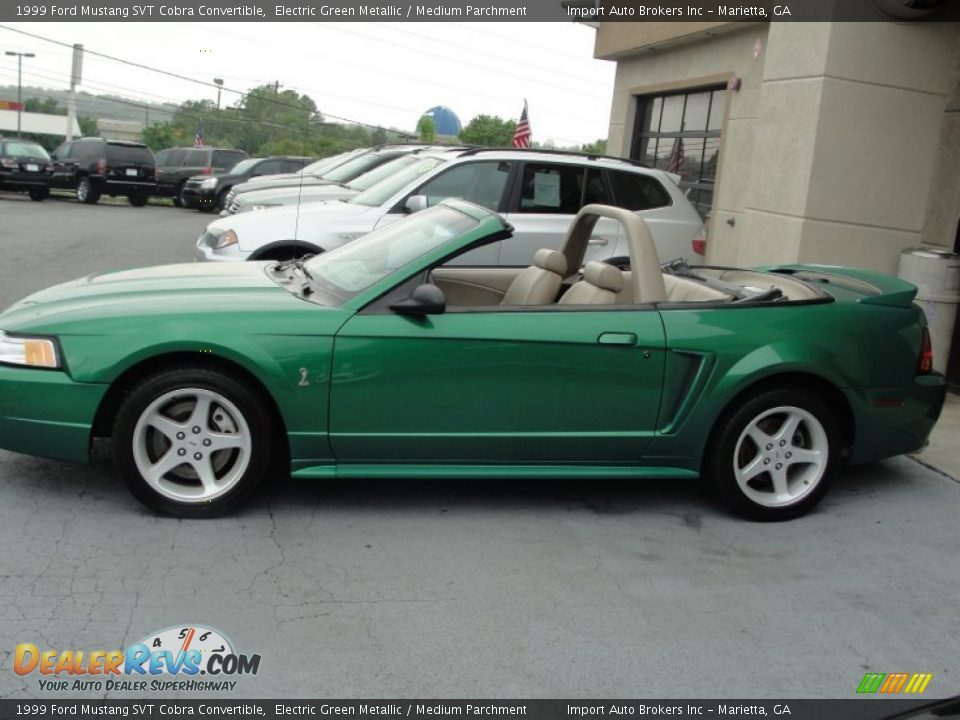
x=281, y=181
x=290, y=194
x=316, y=222
x=165, y=290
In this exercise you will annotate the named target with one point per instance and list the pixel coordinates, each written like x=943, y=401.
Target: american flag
x=198, y=138
x=522, y=135
x=675, y=161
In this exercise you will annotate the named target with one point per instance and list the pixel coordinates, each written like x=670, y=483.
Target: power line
x=186, y=78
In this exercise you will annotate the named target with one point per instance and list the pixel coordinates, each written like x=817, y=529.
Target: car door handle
x=614, y=338
x=597, y=240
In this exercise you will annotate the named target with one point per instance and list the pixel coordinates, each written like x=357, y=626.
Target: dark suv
x=208, y=192
x=95, y=166
x=25, y=167
x=177, y=165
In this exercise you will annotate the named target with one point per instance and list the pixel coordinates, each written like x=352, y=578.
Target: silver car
x=537, y=191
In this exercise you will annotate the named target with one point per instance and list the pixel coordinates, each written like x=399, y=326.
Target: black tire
x=87, y=192
x=733, y=454
x=39, y=194
x=178, y=199
x=138, y=199
x=241, y=471
x=282, y=254
x=222, y=198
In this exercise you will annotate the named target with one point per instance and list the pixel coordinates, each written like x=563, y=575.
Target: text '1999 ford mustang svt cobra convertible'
x=386, y=358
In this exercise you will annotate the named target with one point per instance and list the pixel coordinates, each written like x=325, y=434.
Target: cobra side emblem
x=303, y=378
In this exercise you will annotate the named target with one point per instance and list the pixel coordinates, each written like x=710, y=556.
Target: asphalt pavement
x=470, y=589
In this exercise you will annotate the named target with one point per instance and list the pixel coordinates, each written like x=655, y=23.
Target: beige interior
x=540, y=283
x=601, y=285
x=646, y=279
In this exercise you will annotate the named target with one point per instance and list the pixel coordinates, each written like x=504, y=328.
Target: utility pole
x=273, y=108
x=20, y=56
x=76, y=72
x=216, y=127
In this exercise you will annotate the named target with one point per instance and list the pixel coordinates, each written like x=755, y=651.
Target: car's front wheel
x=192, y=442
x=773, y=457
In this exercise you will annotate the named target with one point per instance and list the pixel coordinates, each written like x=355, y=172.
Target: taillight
x=926, y=354
x=699, y=241
x=207, y=171
x=8, y=163
x=101, y=166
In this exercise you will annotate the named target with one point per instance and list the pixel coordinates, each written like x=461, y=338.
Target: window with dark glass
x=634, y=191
x=680, y=133
x=479, y=182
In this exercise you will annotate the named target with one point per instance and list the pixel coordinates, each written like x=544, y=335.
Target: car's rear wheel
x=138, y=199
x=178, y=199
x=86, y=192
x=192, y=442
x=39, y=194
x=773, y=456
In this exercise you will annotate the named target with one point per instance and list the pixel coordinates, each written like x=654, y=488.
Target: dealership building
x=826, y=142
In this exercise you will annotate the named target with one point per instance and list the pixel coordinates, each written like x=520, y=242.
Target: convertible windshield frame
x=358, y=267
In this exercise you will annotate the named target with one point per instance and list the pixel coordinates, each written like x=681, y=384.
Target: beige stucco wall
x=832, y=144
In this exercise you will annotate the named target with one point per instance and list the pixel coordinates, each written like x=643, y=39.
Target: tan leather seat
x=600, y=285
x=539, y=283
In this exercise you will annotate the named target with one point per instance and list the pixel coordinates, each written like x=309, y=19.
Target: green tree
x=49, y=106
x=488, y=130
x=161, y=135
x=597, y=147
x=426, y=130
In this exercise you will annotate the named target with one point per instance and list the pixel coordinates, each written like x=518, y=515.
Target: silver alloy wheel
x=83, y=189
x=192, y=445
x=781, y=456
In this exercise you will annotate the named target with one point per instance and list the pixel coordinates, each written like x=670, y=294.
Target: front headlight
x=228, y=238
x=209, y=183
x=28, y=351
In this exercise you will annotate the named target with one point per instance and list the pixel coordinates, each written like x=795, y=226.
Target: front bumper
x=894, y=421
x=15, y=180
x=45, y=413
x=231, y=253
x=196, y=196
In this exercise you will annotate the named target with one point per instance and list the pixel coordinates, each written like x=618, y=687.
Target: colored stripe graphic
x=871, y=682
x=918, y=682
x=894, y=683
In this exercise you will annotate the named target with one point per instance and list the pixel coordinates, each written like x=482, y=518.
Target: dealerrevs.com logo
x=179, y=658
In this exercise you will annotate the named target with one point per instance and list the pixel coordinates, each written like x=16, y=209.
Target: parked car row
x=537, y=191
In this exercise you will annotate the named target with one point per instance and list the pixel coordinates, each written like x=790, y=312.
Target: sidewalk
x=943, y=452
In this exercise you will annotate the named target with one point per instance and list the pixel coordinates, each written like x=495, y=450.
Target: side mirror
x=426, y=299
x=415, y=203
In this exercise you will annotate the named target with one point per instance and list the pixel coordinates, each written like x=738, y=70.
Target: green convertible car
x=384, y=359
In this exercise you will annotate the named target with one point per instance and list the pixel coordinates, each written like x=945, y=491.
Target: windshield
x=244, y=165
x=386, y=189
x=350, y=269
x=354, y=167
x=25, y=150
x=369, y=179
x=326, y=164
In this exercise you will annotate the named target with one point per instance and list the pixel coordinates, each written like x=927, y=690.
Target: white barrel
x=936, y=273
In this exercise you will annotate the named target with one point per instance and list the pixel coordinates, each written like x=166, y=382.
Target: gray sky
x=380, y=73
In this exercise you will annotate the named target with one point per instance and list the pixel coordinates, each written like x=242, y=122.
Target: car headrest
x=603, y=276
x=552, y=260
